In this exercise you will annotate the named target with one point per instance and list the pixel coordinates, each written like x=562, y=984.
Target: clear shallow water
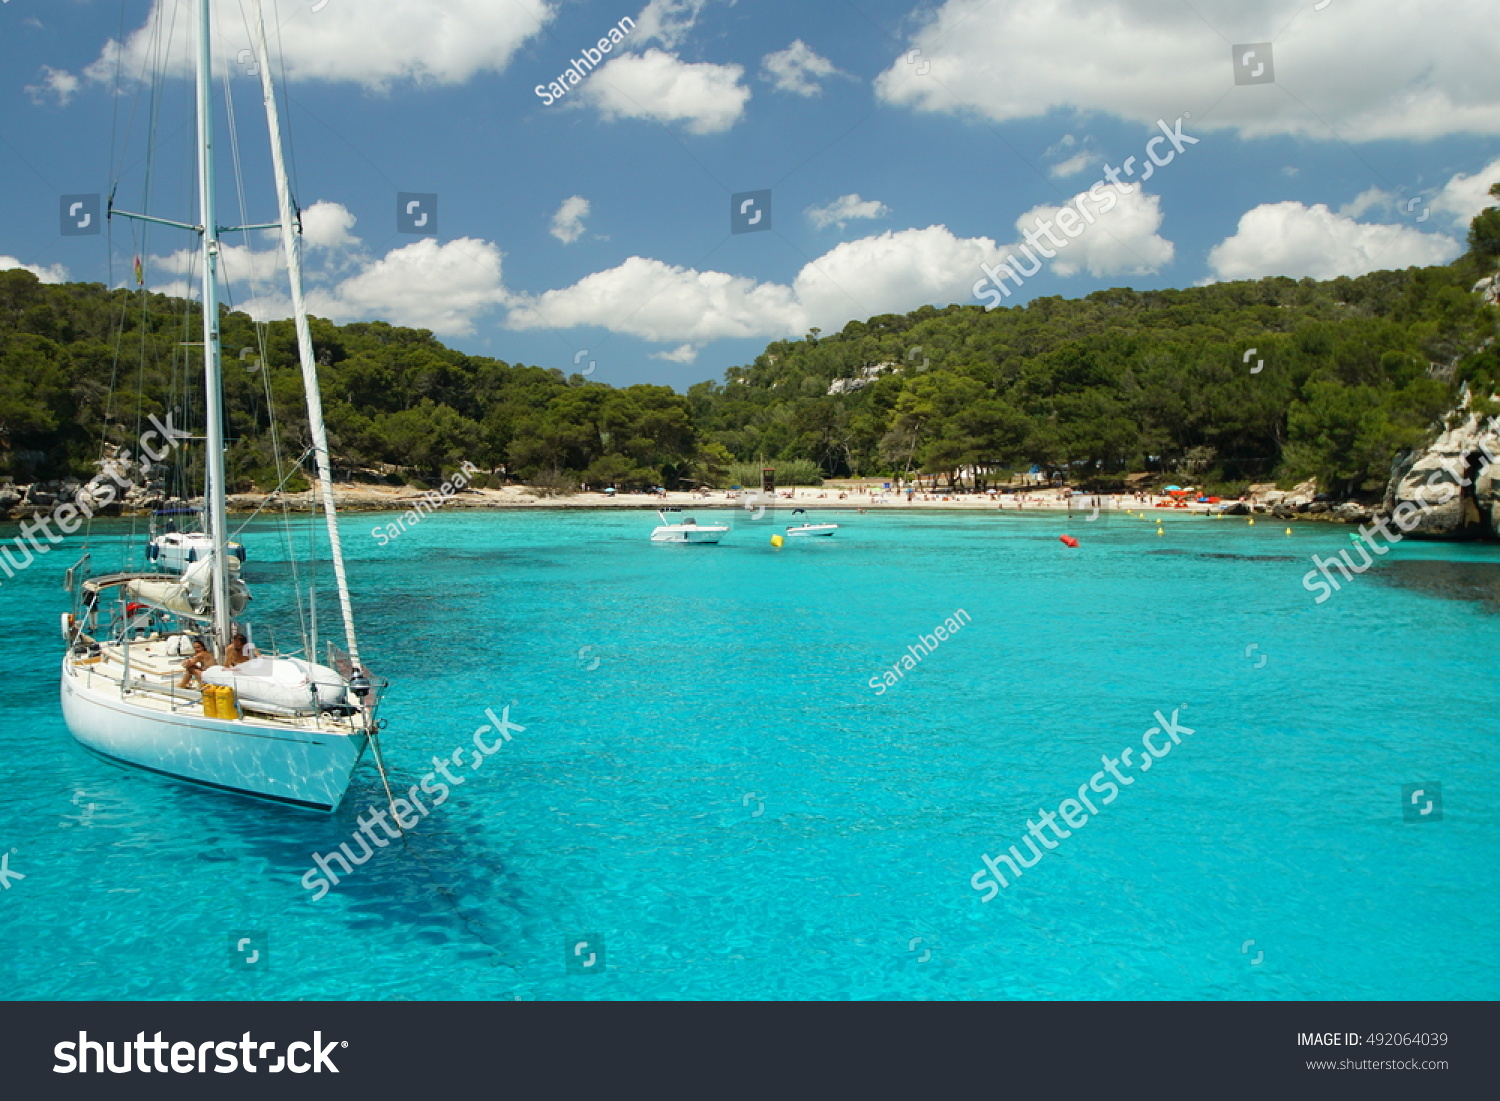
x=728, y=805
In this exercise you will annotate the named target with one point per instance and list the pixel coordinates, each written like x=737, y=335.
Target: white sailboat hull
x=301, y=767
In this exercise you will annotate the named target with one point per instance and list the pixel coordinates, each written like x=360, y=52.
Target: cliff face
x=1451, y=483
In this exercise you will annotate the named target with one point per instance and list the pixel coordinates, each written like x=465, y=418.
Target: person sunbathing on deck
x=194, y=666
x=236, y=653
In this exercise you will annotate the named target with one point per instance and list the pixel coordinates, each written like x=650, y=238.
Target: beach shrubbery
x=793, y=472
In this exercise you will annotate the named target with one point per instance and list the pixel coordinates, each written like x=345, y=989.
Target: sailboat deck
x=153, y=676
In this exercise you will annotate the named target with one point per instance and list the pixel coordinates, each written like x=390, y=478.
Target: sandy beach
x=355, y=497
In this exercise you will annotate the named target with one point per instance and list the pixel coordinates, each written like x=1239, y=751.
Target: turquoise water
x=707, y=785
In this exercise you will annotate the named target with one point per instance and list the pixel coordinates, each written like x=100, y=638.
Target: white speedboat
x=809, y=529
x=689, y=531
x=278, y=727
x=174, y=551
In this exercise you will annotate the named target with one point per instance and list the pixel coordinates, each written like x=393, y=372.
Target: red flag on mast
x=140, y=275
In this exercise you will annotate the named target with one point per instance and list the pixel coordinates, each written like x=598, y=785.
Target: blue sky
x=905, y=145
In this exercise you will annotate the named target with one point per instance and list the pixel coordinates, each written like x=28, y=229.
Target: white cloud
x=890, y=273
x=181, y=288
x=327, y=224
x=1372, y=198
x=1462, y=197
x=54, y=273
x=894, y=272
x=845, y=209
x=1291, y=239
x=1073, y=164
x=667, y=21
x=567, y=223
x=429, y=41
x=426, y=285
x=237, y=263
x=796, y=69
x=55, y=82
x=1396, y=76
x=663, y=303
x=683, y=353
x=1122, y=241
x=656, y=85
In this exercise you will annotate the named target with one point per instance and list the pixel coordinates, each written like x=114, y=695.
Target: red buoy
x=1069, y=540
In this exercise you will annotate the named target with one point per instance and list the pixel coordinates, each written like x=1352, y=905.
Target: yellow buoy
x=1160, y=532
x=1289, y=531
x=777, y=540
x=1252, y=519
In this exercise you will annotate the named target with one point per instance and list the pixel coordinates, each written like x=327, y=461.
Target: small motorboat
x=688, y=531
x=809, y=529
x=174, y=551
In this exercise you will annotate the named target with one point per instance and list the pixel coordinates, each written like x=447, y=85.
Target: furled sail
x=191, y=595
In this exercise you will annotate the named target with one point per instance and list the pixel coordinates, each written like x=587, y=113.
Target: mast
x=212, y=367
x=310, y=388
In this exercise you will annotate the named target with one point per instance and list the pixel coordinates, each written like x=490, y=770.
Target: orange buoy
x=1069, y=540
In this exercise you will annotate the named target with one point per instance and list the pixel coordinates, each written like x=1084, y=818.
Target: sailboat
x=278, y=726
